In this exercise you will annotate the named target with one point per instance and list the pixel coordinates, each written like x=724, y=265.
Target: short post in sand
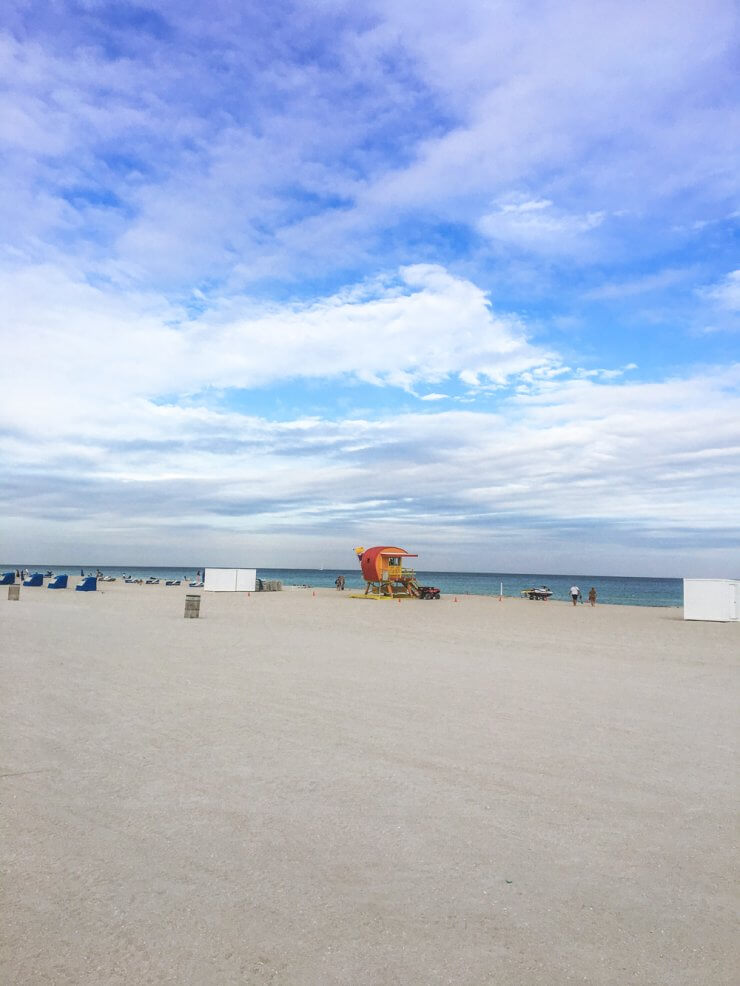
x=192, y=606
x=14, y=592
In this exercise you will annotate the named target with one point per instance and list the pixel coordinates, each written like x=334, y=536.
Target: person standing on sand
x=592, y=596
x=574, y=594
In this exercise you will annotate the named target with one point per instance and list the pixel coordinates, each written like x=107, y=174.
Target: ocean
x=611, y=589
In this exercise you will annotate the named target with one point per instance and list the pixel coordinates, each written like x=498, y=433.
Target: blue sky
x=282, y=279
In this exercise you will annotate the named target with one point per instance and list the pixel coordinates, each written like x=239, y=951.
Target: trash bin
x=192, y=607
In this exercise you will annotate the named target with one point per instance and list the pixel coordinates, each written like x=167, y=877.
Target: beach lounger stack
x=270, y=585
x=7, y=578
x=36, y=579
x=58, y=582
x=88, y=584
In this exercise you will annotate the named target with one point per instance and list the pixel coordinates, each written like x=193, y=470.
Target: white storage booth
x=230, y=580
x=717, y=600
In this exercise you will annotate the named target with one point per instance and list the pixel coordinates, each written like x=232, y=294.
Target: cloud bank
x=276, y=281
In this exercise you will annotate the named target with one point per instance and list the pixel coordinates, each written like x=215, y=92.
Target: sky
x=282, y=279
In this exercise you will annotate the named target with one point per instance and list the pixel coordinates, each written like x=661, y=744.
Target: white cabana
x=715, y=600
x=230, y=580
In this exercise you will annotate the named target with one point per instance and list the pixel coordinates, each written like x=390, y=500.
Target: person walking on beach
x=574, y=594
x=592, y=596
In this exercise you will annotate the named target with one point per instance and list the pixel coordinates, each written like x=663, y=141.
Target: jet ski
x=540, y=592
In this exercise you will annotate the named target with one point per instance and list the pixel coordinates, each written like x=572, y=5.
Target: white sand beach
x=310, y=789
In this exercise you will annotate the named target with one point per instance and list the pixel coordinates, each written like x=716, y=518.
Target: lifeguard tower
x=386, y=578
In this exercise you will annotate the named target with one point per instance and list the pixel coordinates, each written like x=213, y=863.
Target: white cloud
x=537, y=225
x=726, y=294
x=571, y=100
x=89, y=347
x=91, y=449
x=644, y=284
x=300, y=165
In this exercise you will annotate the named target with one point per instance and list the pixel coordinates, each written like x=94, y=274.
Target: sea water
x=615, y=590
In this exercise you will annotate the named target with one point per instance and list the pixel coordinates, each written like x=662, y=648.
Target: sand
x=310, y=789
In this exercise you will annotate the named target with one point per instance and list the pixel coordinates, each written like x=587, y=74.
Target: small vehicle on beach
x=428, y=592
x=542, y=593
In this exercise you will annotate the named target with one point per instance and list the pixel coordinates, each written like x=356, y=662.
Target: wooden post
x=192, y=607
x=14, y=592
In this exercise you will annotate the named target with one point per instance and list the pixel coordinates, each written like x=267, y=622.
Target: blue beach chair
x=36, y=579
x=7, y=578
x=58, y=582
x=88, y=584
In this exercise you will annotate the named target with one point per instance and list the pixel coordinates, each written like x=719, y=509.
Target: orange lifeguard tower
x=386, y=578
